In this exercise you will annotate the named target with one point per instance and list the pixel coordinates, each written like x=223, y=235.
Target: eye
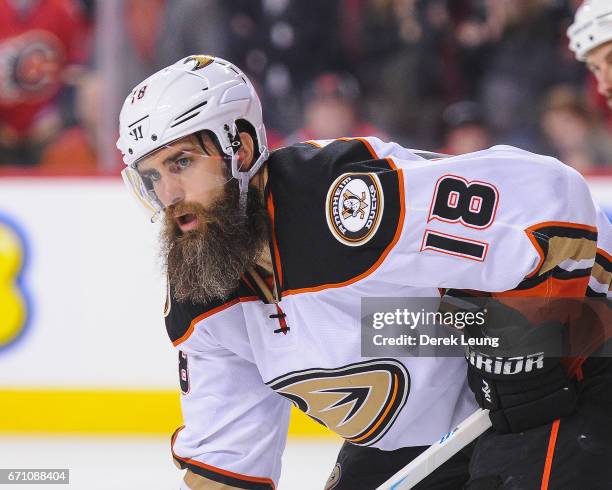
x=183, y=162
x=154, y=176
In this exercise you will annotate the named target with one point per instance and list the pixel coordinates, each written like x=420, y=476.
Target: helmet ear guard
x=260, y=156
x=245, y=176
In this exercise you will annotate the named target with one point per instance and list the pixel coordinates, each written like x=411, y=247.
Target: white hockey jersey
x=356, y=218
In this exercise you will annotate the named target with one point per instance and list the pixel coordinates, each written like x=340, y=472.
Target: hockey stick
x=439, y=452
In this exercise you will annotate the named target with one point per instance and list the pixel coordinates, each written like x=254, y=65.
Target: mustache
x=205, y=216
x=182, y=207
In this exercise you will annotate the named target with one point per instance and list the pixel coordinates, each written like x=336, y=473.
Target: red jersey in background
x=38, y=39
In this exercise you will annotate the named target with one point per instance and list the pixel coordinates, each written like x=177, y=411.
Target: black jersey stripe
x=215, y=475
x=532, y=282
x=560, y=273
x=591, y=293
x=300, y=178
x=181, y=315
x=466, y=293
x=603, y=261
x=231, y=482
x=431, y=155
x=547, y=231
x=464, y=248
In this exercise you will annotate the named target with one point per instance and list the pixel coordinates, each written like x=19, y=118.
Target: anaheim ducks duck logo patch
x=201, y=60
x=353, y=208
x=359, y=402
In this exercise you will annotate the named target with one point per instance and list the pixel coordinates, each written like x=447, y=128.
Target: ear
x=247, y=150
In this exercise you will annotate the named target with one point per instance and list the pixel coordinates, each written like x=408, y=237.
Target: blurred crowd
x=447, y=75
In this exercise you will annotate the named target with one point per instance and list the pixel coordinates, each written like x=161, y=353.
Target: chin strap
x=245, y=176
x=243, y=182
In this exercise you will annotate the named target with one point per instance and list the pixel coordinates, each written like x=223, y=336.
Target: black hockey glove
x=521, y=381
x=522, y=400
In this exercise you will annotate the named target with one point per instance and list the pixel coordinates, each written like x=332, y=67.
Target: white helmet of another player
x=592, y=27
x=196, y=93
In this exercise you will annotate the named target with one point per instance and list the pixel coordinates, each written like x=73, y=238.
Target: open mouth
x=187, y=221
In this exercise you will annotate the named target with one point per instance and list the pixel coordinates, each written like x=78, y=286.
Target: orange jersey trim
x=247, y=299
x=206, y=314
x=247, y=282
x=536, y=245
x=382, y=417
x=201, y=317
x=552, y=442
x=604, y=254
x=579, y=372
x=552, y=287
x=276, y=253
x=363, y=141
x=564, y=224
x=231, y=474
x=367, y=144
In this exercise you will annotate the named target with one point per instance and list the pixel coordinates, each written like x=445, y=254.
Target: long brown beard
x=205, y=264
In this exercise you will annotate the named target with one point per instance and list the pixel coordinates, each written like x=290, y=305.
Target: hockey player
x=269, y=254
x=591, y=40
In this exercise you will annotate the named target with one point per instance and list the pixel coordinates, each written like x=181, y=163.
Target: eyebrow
x=173, y=156
x=169, y=159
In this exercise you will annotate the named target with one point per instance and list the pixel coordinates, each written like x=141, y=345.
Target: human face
x=599, y=61
x=206, y=263
x=207, y=239
x=184, y=172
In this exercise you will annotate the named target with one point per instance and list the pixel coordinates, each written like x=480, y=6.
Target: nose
x=170, y=191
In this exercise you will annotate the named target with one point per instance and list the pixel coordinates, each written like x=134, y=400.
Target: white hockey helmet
x=196, y=93
x=592, y=27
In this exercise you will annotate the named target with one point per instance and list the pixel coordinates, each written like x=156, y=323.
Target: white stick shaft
x=439, y=452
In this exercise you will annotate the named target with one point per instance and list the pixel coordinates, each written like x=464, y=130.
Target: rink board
x=89, y=343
